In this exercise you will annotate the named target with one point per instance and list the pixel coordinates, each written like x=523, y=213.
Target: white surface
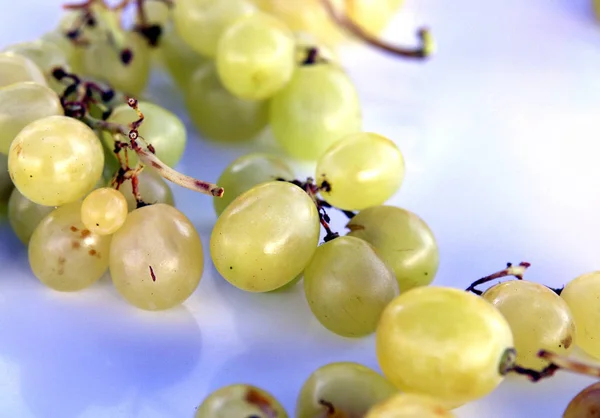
x=500, y=134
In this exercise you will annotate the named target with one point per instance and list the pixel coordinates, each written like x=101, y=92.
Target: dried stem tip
x=572, y=365
x=511, y=270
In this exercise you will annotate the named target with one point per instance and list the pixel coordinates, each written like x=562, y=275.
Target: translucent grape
x=211, y=108
x=22, y=103
x=581, y=295
x=402, y=240
x=348, y=286
x=24, y=215
x=178, y=58
x=256, y=56
x=55, y=160
x=161, y=128
x=586, y=404
x=63, y=254
x=265, y=237
x=200, y=23
x=156, y=258
x=351, y=389
x=72, y=52
x=248, y=171
x=443, y=342
x=372, y=15
x=538, y=318
x=409, y=405
x=15, y=68
x=240, y=401
x=315, y=109
x=152, y=187
x=104, y=211
x=361, y=170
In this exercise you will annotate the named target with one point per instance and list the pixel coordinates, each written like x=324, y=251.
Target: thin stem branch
x=510, y=270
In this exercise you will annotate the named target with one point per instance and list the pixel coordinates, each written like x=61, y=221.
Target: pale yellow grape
x=402, y=240
x=152, y=187
x=156, y=13
x=156, y=258
x=361, y=170
x=104, y=211
x=372, y=15
x=240, y=401
x=315, y=109
x=409, y=405
x=22, y=103
x=161, y=128
x=585, y=404
x=348, y=286
x=55, y=160
x=178, y=58
x=351, y=388
x=211, y=108
x=538, y=317
x=256, y=56
x=63, y=254
x=200, y=23
x=15, y=68
x=246, y=172
x=265, y=237
x=443, y=342
x=306, y=40
x=24, y=215
x=72, y=52
x=581, y=294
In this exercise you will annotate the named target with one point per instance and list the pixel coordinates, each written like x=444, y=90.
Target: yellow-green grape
x=348, y=286
x=73, y=53
x=596, y=4
x=361, y=170
x=306, y=41
x=104, y=211
x=402, y=240
x=343, y=389
x=538, y=317
x=161, y=128
x=444, y=342
x=248, y=171
x=200, y=23
x=15, y=68
x=63, y=254
x=265, y=238
x=256, y=56
x=315, y=109
x=6, y=185
x=24, y=215
x=586, y=404
x=156, y=13
x=211, y=107
x=152, y=187
x=240, y=401
x=409, y=405
x=581, y=294
x=178, y=58
x=55, y=160
x=22, y=103
x=372, y=15
x=156, y=258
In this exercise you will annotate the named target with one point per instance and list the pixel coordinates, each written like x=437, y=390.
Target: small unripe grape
x=104, y=211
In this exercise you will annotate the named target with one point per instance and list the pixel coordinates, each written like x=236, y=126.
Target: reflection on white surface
x=500, y=135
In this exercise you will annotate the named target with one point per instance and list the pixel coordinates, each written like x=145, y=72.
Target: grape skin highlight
x=15, y=68
x=240, y=400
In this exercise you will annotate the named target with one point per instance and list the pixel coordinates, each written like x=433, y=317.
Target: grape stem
x=510, y=270
x=342, y=20
x=557, y=362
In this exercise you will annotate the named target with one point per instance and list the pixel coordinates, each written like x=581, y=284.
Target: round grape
x=177, y=57
x=586, y=404
x=409, y=405
x=24, y=215
x=240, y=401
x=104, y=211
x=152, y=187
x=15, y=68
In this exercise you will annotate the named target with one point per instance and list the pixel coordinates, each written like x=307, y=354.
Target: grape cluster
x=83, y=170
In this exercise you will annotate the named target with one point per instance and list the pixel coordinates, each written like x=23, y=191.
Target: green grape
x=22, y=103
x=581, y=294
x=156, y=13
x=343, y=389
x=445, y=343
x=372, y=15
x=538, y=318
x=15, y=68
x=161, y=128
x=211, y=108
x=409, y=405
x=265, y=237
x=55, y=160
x=402, y=240
x=178, y=58
x=348, y=286
x=104, y=210
x=586, y=404
x=248, y=171
x=305, y=41
x=256, y=57
x=24, y=215
x=156, y=258
x=361, y=170
x=73, y=53
x=6, y=184
x=315, y=109
x=240, y=401
x=63, y=254
x=200, y=23
x=152, y=187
